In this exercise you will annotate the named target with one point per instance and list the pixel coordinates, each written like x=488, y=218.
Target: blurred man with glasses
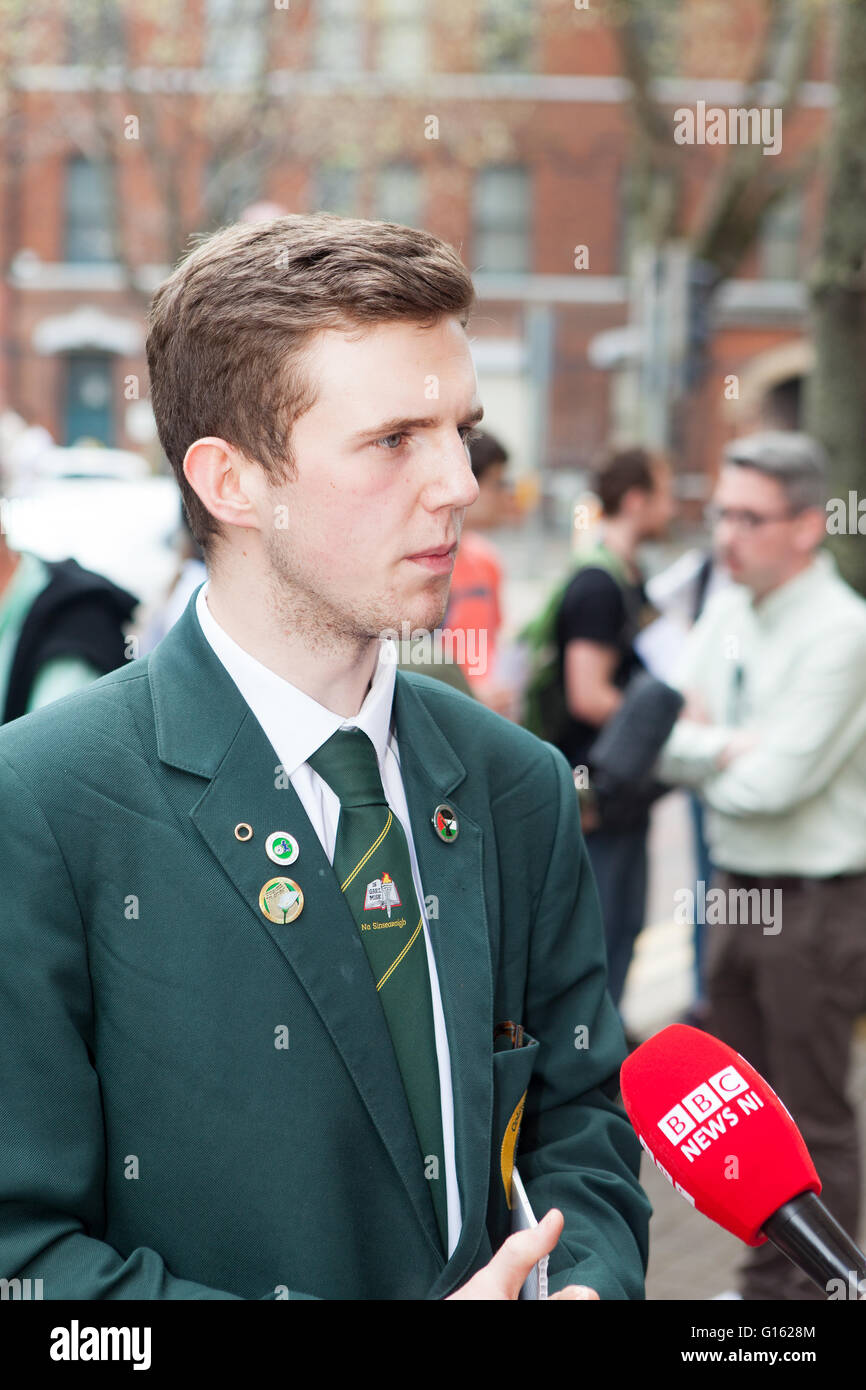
x=773, y=736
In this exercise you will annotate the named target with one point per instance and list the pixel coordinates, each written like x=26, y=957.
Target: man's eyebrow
x=397, y=426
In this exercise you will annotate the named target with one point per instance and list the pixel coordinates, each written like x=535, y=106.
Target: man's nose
x=470, y=488
x=455, y=484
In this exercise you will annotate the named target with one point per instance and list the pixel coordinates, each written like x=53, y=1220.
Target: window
x=660, y=28
x=401, y=38
x=230, y=186
x=501, y=220
x=645, y=199
x=398, y=194
x=234, y=39
x=506, y=38
x=338, y=42
x=785, y=39
x=94, y=32
x=626, y=210
x=89, y=211
x=336, y=189
x=781, y=238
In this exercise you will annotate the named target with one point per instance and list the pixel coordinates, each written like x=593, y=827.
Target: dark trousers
x=703, y=874
x=619, y=863
x=788, y=1003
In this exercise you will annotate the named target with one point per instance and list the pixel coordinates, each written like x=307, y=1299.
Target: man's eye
x=389, y=447
x=469, y=434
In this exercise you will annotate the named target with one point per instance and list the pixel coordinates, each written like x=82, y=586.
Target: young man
x=601, y=614
x=774, y=737
x=294, y=940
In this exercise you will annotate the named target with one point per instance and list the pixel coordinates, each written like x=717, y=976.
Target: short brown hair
x=228, y=328
x=620, y=470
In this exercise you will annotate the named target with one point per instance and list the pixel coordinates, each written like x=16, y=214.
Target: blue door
x=88, y=412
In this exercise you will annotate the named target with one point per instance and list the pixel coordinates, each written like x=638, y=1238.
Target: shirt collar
x=296, y=724
x=791, y=594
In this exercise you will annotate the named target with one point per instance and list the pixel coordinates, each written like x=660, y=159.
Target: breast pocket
x=512, y=1072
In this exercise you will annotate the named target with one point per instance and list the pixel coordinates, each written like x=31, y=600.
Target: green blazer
x=198, y=1103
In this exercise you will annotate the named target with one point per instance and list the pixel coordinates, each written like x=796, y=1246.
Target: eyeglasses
x=746, y=520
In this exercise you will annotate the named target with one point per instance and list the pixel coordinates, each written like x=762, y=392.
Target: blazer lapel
x=453, y=872
x=322, y=946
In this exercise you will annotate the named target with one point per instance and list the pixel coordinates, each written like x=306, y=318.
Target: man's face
x=755, y=535
x=367, y=529
x=656, y=509
x=493, y=507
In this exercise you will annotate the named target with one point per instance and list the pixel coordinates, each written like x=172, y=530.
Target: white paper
x=523, y=1219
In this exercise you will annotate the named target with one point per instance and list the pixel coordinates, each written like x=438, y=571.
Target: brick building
x=503, y=127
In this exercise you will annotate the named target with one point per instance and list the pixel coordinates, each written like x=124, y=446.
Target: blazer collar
x=204, y=726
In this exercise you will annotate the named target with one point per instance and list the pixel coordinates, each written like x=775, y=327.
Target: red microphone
x=720, y=1134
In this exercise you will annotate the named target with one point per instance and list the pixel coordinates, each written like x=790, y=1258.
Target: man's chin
x=420, y=616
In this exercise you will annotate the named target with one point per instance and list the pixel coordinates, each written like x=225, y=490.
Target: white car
x=87, y=461
x=124, y=530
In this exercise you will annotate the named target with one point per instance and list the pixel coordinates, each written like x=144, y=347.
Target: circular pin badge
x=281, y=900
x=445, y=823
x=281, y=847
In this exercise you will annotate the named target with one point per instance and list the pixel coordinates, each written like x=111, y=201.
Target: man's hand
x=695, y=709
x=503, y=1277
x=743, y=741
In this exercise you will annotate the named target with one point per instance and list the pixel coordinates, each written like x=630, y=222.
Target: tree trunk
x=836, y=394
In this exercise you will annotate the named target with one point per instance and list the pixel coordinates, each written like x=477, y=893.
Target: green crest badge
x=281, y=847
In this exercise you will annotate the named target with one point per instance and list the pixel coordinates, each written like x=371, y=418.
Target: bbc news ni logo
x=694, y=1122
x=664, y=1172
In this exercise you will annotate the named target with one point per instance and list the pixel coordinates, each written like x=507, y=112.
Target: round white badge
x=281, y=847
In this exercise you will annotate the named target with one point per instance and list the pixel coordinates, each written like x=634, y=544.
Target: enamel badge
x=281, y=900
x=445, y=823
x=281, y=847
x=382, y=892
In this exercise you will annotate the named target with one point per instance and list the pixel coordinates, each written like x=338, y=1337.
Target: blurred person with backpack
x=585, y=659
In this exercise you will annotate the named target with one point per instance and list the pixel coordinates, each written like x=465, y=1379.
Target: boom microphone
x=719, y=1133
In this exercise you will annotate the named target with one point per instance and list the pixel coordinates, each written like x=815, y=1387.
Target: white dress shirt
x=296, y=725
x=791, y=668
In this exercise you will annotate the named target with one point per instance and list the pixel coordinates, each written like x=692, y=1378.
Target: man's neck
x=618, y=536
x=334, y=671
x=758, y=597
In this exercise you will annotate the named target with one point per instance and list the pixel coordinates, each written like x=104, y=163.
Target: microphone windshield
x=715, y=1129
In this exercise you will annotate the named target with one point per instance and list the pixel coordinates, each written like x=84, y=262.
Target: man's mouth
x=439, y=559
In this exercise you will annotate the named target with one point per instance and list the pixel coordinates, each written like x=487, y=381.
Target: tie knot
x=347, y=762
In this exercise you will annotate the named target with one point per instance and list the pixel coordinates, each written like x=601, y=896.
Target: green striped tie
x=372, y=864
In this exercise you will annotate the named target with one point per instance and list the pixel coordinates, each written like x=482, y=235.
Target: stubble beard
x=326, y=624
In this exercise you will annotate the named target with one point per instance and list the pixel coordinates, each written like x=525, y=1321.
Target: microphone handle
x=813, y=1240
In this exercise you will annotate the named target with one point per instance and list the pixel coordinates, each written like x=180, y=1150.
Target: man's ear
x=221, y=477
x=633, y=501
